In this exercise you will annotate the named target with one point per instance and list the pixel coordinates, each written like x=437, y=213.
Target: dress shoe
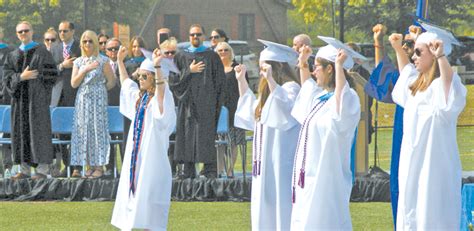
x=38, y=176
x=20, y=176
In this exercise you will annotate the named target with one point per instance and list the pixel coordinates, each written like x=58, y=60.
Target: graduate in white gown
x=328, y=111
x=430, y=169
x=144, y=192
x=275, y=134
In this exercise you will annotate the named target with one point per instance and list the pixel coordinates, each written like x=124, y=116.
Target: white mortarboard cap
x=434, y=32
x=147, y=65
x=278, y=52
x=329, y=52
x=339, y=45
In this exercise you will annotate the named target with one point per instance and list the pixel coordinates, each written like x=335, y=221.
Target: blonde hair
x=170, y=42
x=424, y=79
x=26, y=23
x=52, y=31
x=226, y=45
x=95, y=41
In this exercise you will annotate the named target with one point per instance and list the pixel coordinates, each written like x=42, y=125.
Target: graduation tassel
x=254, y=169
x=294, y=194
x=259, y=166
x=301, y=180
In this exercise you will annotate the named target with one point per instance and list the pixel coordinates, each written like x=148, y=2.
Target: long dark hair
x=332, y=78
x=222, y=34
x=282, y=73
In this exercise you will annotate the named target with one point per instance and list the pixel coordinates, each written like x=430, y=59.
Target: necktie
x=65, y=52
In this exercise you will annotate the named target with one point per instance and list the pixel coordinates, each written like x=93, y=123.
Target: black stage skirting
x=374, y=186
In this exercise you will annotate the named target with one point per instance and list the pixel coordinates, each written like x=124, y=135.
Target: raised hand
x=266, y=70
x=414, y=31
x=28, y=74
x=197, y=67
x=157, y=56
x=240, y=71
x=305, y=52
x=341, y=57
x=122, y=53
x=379, y=31
x=436, y=48
x=396, y=40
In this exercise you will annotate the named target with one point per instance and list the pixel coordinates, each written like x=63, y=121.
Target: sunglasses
x=169, y=52
x=215, y=37
x=418, y=52
x=103, y=43
x=63, y=31
x=142, y=76
x=223, y=50
x=87, y=41
x=50, y=40
x=113, y=49
x=195, y=34
x=23, y=31
x=408, y=43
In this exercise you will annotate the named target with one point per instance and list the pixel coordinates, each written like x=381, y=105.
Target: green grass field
x=183, y=216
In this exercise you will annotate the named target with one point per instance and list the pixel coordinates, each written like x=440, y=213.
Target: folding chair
x=62, y=119
x=223, y=137
x=5, y=127
x=115, y=127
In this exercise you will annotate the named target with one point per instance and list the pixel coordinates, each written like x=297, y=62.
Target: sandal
x=98, y=173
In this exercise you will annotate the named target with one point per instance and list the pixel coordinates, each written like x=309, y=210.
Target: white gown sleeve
x=449, y=107
x=348, y=116
x=401, y=90
x=166, y=119
x=277, y=110
x=245, y=112
x=129, y=93
x=305, y=100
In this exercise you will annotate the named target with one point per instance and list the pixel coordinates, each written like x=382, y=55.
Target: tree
x=43, y=14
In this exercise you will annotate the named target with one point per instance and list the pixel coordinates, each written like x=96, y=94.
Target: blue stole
x=192, y=49
x=138, y=127
x=27, y=47
x=3, y=45
x=137, y=59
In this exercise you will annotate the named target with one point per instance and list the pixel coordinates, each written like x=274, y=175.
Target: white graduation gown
x=149, y=207
x=271, y=190
x=323, y=203
x=430, y=168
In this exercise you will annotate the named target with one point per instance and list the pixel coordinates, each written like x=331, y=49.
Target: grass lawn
x=183, y=216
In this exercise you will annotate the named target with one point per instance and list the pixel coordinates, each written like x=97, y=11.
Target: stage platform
x=374, y=186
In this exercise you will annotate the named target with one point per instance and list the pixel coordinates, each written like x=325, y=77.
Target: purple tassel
x=259, y=166
x=254, y=169
x=301, y=180
x=294, y=194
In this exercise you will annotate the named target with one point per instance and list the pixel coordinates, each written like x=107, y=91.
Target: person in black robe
x=4, y=100
x=198, y=90
x=29, y=75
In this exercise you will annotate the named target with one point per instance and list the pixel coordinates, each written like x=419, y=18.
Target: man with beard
x=198, y=90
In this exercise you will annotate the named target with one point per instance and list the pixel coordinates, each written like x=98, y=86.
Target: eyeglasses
x=103, y=43
x=113, y=49
x=215, y=37
x=142, y=76
x=23, y=31
x=223, y=50
x=418, y=52
x=169, y=52
x=87, y=41
x=195, y=34
x=50, y=40
x=63, y=31
x=408, y=43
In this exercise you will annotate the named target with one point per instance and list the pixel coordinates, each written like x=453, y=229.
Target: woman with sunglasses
x=93, y=76
x=50, y=37
x=275, y=134
x=144, y=191
x=231, y=97
x=217, y=36
x=430, y=168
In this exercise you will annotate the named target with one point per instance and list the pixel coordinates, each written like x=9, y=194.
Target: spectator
x=217, y=36
x=102, y=43
x=92, y=75
x=5, y=99
x=298, y=42
x=231, y=97
x=50, y=37
x=29, y=75
x=198, y=88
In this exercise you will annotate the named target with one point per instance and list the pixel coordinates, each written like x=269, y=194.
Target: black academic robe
x=4, y=96
x=30, y=99
x=199, y=101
